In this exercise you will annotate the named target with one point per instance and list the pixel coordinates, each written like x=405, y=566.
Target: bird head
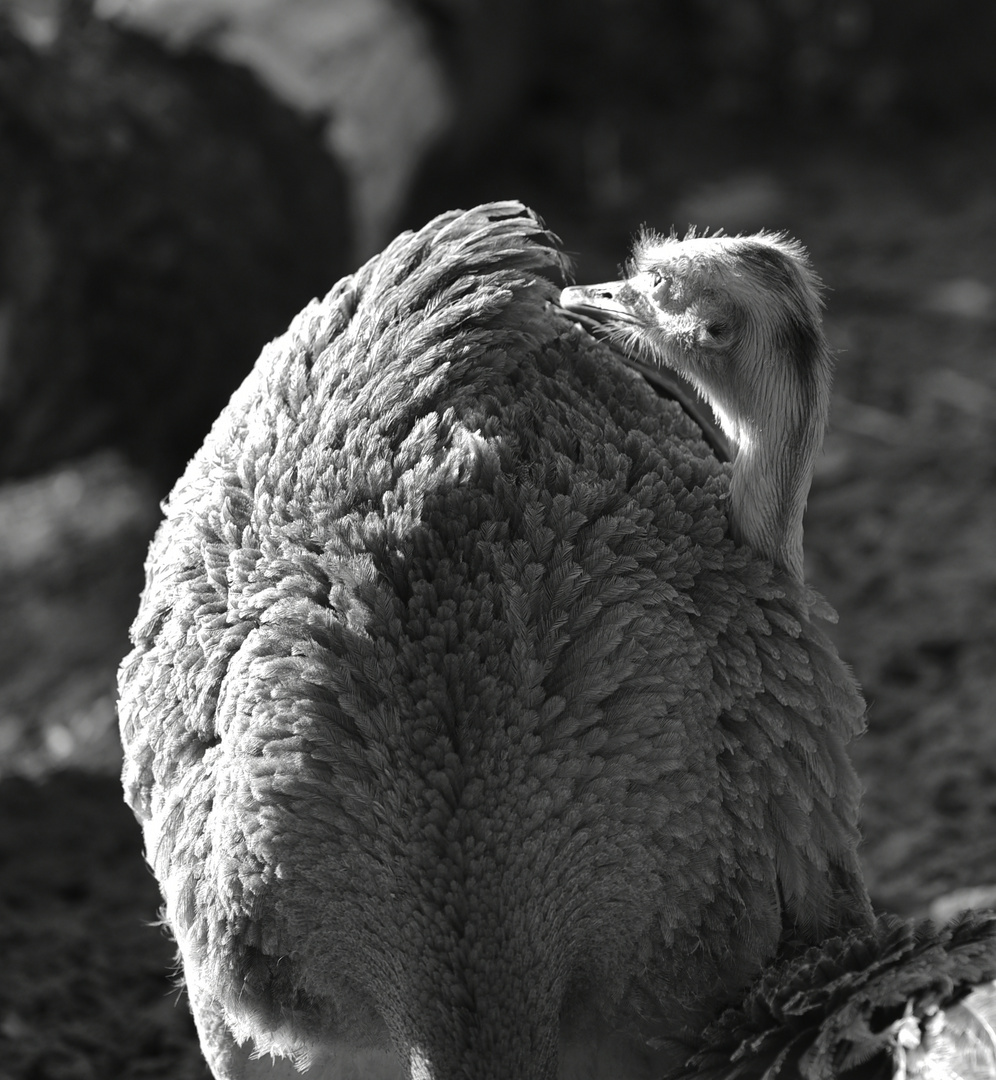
x=739, y=317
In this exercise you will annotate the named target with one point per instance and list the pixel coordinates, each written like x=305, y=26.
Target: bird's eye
x=656, y=279
x=717, y=330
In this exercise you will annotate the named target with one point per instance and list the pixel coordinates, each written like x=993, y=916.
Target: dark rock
x=161, y=218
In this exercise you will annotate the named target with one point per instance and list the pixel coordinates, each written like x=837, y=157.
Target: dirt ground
x=900, y=536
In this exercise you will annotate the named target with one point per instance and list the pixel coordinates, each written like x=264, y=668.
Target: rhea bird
x=739, y=317
x=466, y=742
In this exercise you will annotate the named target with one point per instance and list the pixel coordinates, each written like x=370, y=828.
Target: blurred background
x=179, y=177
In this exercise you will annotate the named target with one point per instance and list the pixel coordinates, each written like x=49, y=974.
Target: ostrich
x=465, y=740
x=739, y=317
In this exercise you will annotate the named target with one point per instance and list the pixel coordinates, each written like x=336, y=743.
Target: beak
x=598, y=302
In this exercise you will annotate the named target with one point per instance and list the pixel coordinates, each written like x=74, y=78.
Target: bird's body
x=465, y=739
x=739, y=317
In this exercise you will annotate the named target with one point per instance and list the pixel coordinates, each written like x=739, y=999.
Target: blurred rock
x=367, y=67
x=161, y=218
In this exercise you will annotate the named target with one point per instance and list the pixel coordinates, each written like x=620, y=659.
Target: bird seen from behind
x=466, y=741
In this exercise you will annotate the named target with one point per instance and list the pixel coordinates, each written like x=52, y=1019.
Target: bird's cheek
x=661, y=296
x=630, y=302
x=633, y=294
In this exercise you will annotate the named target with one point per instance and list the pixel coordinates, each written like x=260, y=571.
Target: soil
x=900, y=537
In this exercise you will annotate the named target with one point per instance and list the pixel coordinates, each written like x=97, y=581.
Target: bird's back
x=458, y=726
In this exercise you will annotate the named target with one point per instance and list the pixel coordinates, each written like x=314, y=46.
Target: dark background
x=163, y=213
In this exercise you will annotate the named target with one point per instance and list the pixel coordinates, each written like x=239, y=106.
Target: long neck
x=772, y=472
x=773, y=407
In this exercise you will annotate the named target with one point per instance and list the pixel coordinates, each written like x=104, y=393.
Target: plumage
x=899, y=1001
x=465, y=740
x=740, y=318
